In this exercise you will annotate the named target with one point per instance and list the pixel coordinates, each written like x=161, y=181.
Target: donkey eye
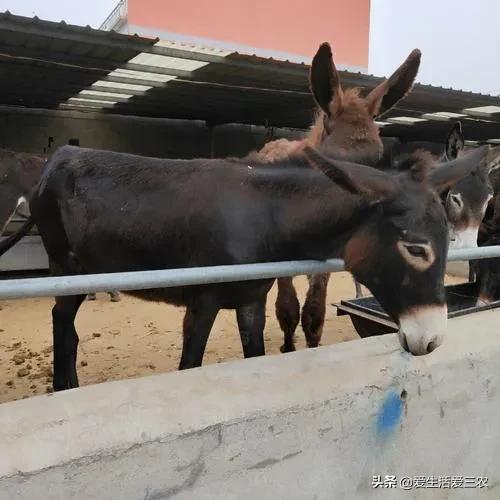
x=416, y=250
x=420, y=256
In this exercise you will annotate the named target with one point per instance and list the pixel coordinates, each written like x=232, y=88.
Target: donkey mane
x=419, y=163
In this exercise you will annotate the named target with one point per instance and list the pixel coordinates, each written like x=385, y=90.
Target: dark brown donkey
x=465, y=204
x=345, y=129
x=19, y=174
x=90, y=208
x=488, y=270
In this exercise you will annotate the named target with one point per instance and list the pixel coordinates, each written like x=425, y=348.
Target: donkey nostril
x=432, y=345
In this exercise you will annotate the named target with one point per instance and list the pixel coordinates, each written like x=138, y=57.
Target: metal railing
x=141, y=280
x=116, y=16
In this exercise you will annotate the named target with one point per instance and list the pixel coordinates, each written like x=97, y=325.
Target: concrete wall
x=29, y=253
x=42, y=131
x=317, y=424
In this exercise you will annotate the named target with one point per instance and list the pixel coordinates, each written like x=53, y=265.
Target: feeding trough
x=369, y=319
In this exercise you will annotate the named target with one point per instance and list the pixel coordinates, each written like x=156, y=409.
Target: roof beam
x=244, y=88
x=24, y=55
x=20, y=53
x=90, y=106
x=250, y=118
x=146, y=68
x=69, y=107
x=90, y=97
x=115, y=90
x=132, y=81
x=64, y=62
x=72, y=88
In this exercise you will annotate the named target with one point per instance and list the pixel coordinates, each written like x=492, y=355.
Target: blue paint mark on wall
x=390, y=413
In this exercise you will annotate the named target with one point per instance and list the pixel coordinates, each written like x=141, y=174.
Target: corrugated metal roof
x=49, y=65
x=43, y=63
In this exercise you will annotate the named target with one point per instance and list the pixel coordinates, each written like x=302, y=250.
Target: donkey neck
x=320, y=225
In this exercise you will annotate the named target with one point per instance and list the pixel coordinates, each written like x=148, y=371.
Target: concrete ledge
x=313, y=424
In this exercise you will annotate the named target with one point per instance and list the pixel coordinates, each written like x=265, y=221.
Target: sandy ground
x=133, y=338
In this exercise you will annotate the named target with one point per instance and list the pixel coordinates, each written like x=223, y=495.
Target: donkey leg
x=251, y=322
x=359, y=291
x=287, y=312
x=313, y=312
x=472, y=271
x=65, y=341
x=198, y=322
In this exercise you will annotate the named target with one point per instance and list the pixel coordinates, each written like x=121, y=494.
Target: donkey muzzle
x=422, y=329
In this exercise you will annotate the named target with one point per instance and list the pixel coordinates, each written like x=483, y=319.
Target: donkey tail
x=11, y=240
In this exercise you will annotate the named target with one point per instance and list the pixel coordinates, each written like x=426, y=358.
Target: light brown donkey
x=345, y=128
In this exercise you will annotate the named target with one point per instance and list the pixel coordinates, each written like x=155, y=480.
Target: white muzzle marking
x=464, y=238
x=422, y=329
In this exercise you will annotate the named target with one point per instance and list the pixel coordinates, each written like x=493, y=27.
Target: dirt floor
x=132, y=338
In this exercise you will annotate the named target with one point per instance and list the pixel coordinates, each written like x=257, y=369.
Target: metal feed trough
x=369, y=319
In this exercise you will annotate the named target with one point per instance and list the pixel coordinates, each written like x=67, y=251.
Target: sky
x=92, y=12
x=459, y=40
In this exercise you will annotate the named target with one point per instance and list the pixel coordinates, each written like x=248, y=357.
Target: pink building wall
x=289, y=26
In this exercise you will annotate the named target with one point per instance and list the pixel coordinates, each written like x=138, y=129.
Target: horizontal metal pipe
x=474, y=253
x=141, y=280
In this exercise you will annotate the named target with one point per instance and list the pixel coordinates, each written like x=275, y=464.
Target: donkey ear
x=446, y=175
x=493, y=161
x=454, y=142
x=389, y=92
x=358, y=179
x=324, y=78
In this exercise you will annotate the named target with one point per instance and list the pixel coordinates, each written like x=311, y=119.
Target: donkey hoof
x=115, y=297
x=287, y=348
x=91, y=296
x=312, y=344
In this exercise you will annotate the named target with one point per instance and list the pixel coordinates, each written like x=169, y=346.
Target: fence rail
x=141, y=280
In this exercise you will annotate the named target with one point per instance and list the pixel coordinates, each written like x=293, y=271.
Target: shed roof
x=56, y=65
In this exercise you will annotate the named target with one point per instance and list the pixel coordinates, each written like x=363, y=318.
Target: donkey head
x=399, y=251
x=345, y=126
x=455, y=142
x=467, y=200
x=488, y=273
